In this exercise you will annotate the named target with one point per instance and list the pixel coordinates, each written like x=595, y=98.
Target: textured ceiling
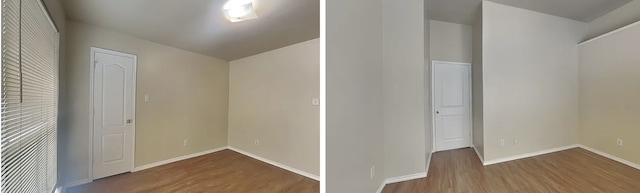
x=200, y=25
x=464, y=11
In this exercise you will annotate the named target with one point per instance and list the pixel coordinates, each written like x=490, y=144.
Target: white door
x=452, y=105
x=113, y=102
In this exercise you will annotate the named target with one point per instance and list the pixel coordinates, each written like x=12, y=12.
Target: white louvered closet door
x=29, y=98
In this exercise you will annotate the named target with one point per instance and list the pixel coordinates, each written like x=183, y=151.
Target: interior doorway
x=113, y=112
x=451, y=105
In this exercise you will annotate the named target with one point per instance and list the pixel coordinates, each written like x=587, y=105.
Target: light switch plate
x=315, y=102
x=146, y=98
x=372, y=171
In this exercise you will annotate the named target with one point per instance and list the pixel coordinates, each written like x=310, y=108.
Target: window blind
x=29, y=98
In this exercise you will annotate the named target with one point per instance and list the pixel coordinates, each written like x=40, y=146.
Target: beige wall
x=477, y=85
x=403, y=87
x=354, y=117
x=609, y=95
x=530, y=73
x=188, y=92
x=270, y=100
x=622, y=16
x=451, y=42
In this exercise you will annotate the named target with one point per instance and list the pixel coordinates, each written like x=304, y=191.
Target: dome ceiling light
x=239, y=10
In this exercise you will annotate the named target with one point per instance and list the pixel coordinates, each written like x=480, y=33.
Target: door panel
x=452, y=88
x=116, y=151
x=452, y=125
x=113, y=113
x=452, y=103
x=113, y=108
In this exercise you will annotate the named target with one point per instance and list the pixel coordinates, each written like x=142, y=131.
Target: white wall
x=354, y=117
x=530, y=74
x=451, y=42
x=477, y=85
x=609, y=93
x=375, y=92
x=270, y=100
x=620, y=17
x=403, y=99
x=428, y=120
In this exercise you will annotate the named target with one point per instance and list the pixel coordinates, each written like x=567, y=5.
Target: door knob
x=437, y=112
x=128, y=120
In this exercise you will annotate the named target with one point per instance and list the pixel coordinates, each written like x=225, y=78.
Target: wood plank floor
x=224, y=171
x=570, y=171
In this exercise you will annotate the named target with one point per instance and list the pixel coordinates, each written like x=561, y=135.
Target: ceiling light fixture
x=239, y=10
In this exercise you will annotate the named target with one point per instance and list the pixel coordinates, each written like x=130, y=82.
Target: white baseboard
x=614, y=158
x=75, y=183
x=168, y=161
x=526, y=155
x=381, y=187
x=428, y=164
x=294, y=170
x=406, y=177
x=59, y=189
x=478, y=153
x=401, y=179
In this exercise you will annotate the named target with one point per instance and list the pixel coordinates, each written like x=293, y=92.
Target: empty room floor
x=574, y=170
x=224, y=171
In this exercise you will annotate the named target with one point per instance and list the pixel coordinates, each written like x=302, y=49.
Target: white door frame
x=433, y=102
x=92, y=72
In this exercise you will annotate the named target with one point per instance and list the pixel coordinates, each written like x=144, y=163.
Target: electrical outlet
x=502, y=143
x=515, y=141
x=373, y=171
x=256, y=142
x=185, y=142
x=619, y=142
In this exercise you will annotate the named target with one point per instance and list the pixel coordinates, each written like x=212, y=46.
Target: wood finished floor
x=224, y=171
x=570, y=171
